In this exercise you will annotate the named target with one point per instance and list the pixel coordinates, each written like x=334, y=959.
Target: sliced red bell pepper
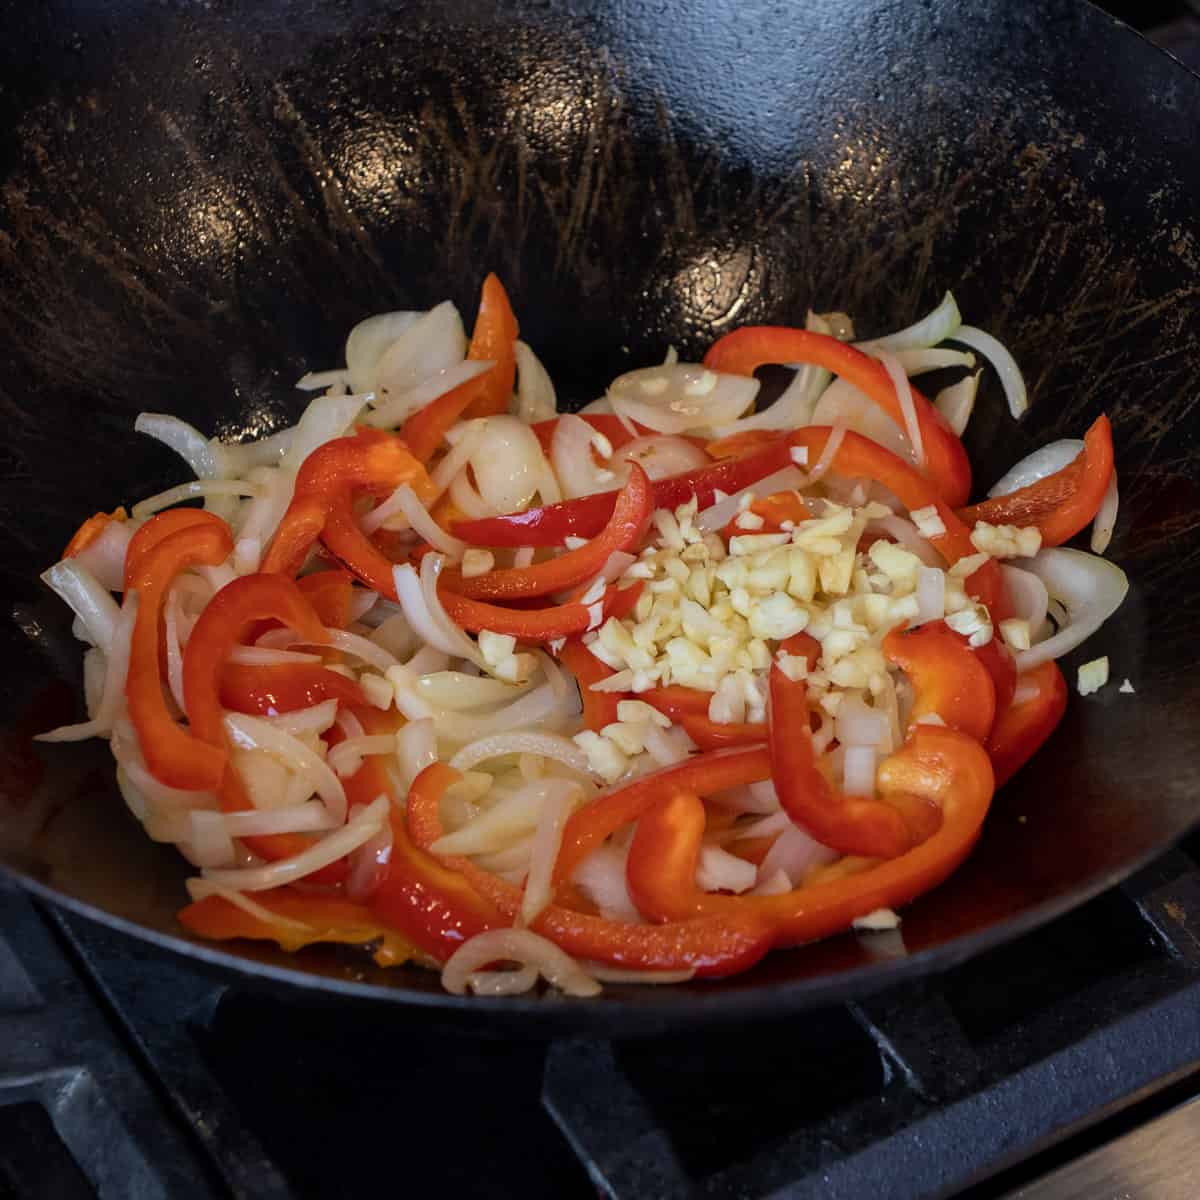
x=998, y=660
x=285, y=687
x=710, y=946
x=715, y=771
x=330, y=593
x=163, y=525
x=738, y=445
x=587, y=516
x=91, y=529
x=174, y=756
x=802, y=645
x=719, y=735
x=744, y=350
x=599, y=708
x=537, y=624
x=948, y=677
x=859, y=457
x=849, y=824
x=370, y=462
x=624, y=533
x=947, y=770
x=494, y=339
x=1060, y=505
x=677, y=701
x=324, y=918
x=1022, y=728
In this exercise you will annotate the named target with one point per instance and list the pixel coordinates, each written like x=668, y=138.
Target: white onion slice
x=186, y=440
x=681, y=397
x=535, y=390
x=931, y=595
x=314, y=381
x=326, y=418
x=369, y=864
x=837, y=435
x=934, y=327
x=601, y=877
x=467, y=499
x=460, y=453
x=558, y=801
x=238, y=458
x=508, y=465
x=422, y=621
x=542, y=707
x=259, y=519
x=510, y=817
x=858, y=724
x=265, y=656
x=718, y=515
x=347, y=756
x=719, y=871
x=905, y=534
x=424, y=525
x=571, y=457
x=394, y=410
x=458, y=691
x=1090, y=587
x=858, y=771
x=519, y=946
x=180, y=826
x=1045, y=460
x=104, y=555
x=856, y=410
x=416, y=749
x=367, y=342
x=189, y=491
x=908, y=408
x=660, y=456
x=1006, y=367
x=315, y=719
x=957, y=402
x=1028, y=594
x=549, y=745
x=432, y=343
x=1106, y=517
x=918, y=362
x=87, y=598
x=361, y=827
x=794, y=852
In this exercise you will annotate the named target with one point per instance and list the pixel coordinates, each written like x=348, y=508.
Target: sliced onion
x=459, y=691
x=997, y=354
x=858, y=724
x=601, y=877
x=508, y=465
x=542, y=707
x=549, y=745
x=398, y=407
x=572, y=459
x=424, y=525
x=369, y=864
x=858, y=772
x=837, y=435
x=186, y=440
x=180, y=826
x=207, y=842
x=326, y=418
x=346, y=758
x=842, y=401
x=794, y=852
x=95, y=670
x=461, y=450
x=904, y=396
x=519, y=946
x=934, y=327
x=931, y=595
x=535, y=390
x=363, y=826
x=682, y=397
x=606, y=974
x=367, y=342
x=1090, y=587
x=1045, y=460
x=1028, y=594
x=559, y=799
x=718, y=515
x=314, y=381
x=104, y=556
x=904, y=533
x=239, y=458
x=719, y=871
x=255, y=733
x=416, y=749
x=433, y=342
x=265, y=656
x=315, y=719
x=957, y=402
x=918, y=362
x=512, y=816
x=667, y=746
x=1106, y=517
x=660, y=456
x=87, y=598
x=260, y=517
x=466, y=498
x=189, y=491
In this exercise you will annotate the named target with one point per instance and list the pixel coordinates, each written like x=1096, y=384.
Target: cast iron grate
x=137, y=1077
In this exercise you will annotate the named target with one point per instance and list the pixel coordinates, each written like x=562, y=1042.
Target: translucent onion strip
x=105, y=555
x=416, y=749
x=535, y=389
x=1106, y=517
x=86, y=598
x=943, y=322
x=549, y=745
x=957, y=402
x=186, y=440
x=997, y=354
x=524, y=948
x=559, y=800
x=908, y=408
x=394, y=410
x=718, y=515
x=192, y=489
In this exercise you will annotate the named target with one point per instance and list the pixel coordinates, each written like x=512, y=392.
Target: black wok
x=199, y=200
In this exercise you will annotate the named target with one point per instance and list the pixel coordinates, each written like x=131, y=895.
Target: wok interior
x=189, y=225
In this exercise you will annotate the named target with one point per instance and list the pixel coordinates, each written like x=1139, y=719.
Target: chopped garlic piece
x=574, y=543
x=1006, y=541
x=1126, y=688
x=1016, y=633
x=496, y=647
x=603, y=756
x=476, y=562
x=879, y=921
x=1093, y=675
x=928, y=521
x=378, y=691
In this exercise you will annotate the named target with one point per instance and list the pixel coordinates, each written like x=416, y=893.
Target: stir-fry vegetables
x=640, y=693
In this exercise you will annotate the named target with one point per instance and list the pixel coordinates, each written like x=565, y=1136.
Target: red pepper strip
x=174, y=756
x=738, y=445
x=677, y=701
x=162, y=526
x=944, y=768
x=432, y=905
x=998, y=660
x=534, y=624
x=860, y=457
x=284, y=688
x=424, y=430
x=372, y=462
x=220, y=627
x=624, y=532
x=328, y=919
x=1021, y=728
x=599, y=708
x=848, y=824
x=330, y=594
x=802, y=645
x=949, y=679
x=1060, y=505
x=587, y=516
x=715, y=735
x=711, y=946
x=751, y=347
x=494, y=339
x=91, y=529
x=715, y=771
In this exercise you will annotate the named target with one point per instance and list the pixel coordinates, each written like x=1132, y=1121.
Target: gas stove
x=127, y=1073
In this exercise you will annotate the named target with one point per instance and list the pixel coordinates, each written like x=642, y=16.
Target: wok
x=199, y=201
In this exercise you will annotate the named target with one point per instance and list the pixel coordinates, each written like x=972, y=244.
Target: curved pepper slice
x=370, y=462
x=710, y=946
x=719, y=735
x=174, y=756
x=846, y=823
x=228, y=615
x=860, y=457
x=624, y=532
x=1060, y=505
x=744, y=350
x=285, y=687
x=599, y=708
x=1021, y=729
x=162, y=525
x=715, y=771
x=537, y=624
x=331, y=594
x=677, y=701
x=587, y=516
x=949, y=679
x=940, y=767
x=998, y=660
x=493, y=339
x=306, y=920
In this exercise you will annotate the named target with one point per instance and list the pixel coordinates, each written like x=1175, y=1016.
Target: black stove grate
x=126, y=1073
